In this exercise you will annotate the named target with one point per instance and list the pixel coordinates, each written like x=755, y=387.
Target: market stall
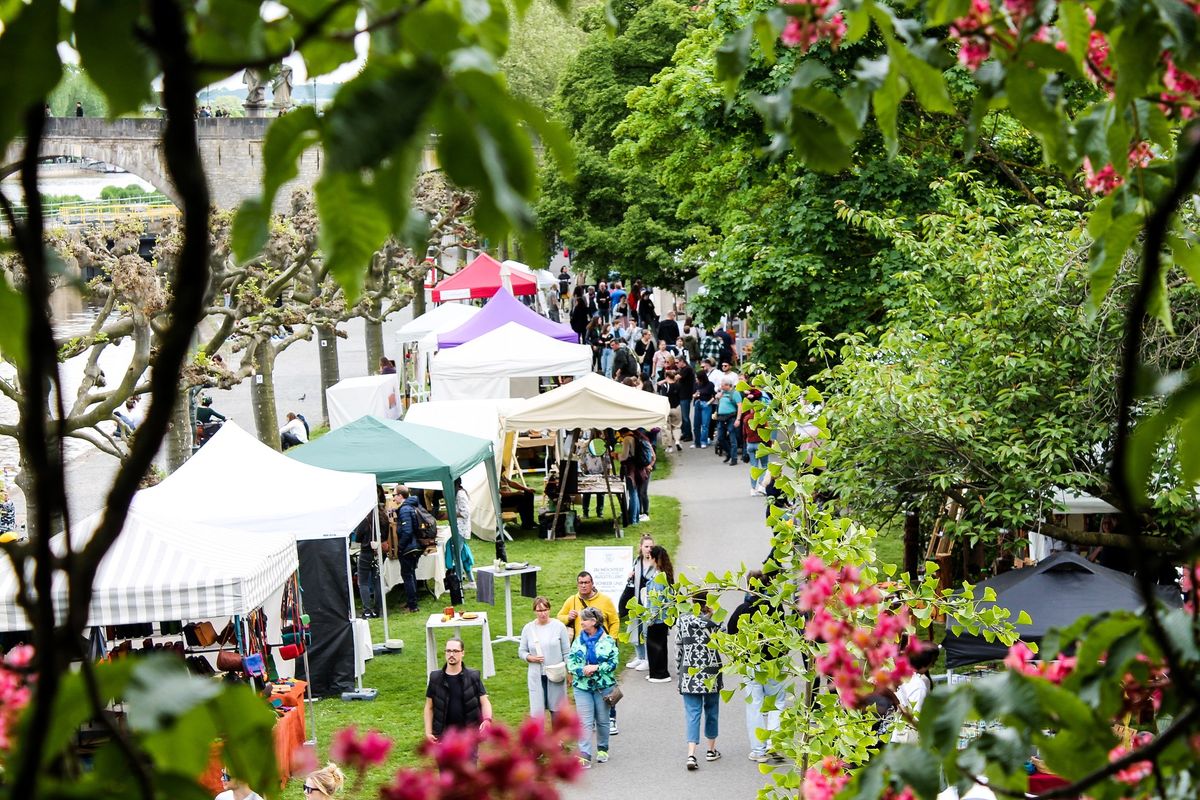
x=237, y=483
x=402, y=452
x=481, y=419
x=418, y=342
x=1055, y=593
x=501, y=310
x=592, y=401
x=374, y=395
x=489, y=366
x=479, y=280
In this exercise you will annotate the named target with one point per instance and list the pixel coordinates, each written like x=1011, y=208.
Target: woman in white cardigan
x=544, y=645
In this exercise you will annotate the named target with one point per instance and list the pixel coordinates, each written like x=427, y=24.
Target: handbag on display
x=614, y=697
x=290, y=652
x=228, y=661
x=205, y=633
x=254, y=665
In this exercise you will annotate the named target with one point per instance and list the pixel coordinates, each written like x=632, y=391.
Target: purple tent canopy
x=500, y=310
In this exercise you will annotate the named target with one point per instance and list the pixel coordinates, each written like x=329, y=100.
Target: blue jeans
x=693, y=704
x=633, y=505
x=756, y=718
x=606, y=362
x=702, y=418
x=408, y=571
x=755, y=461
x=685, y=411
x=593, y=716
x=727, y=436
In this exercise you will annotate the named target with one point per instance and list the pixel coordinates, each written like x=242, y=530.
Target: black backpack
x=425, y=527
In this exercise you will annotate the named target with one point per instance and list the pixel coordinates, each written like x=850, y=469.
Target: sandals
x=712, y=755
x=692, y=763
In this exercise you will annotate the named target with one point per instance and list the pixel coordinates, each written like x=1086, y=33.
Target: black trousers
x=656, y=650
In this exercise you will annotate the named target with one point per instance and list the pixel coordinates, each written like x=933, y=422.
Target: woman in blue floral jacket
x=593, y=663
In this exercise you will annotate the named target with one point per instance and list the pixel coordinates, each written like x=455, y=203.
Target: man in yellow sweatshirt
x=588, y=596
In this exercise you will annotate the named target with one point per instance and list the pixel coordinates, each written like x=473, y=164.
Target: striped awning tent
x=157, y=571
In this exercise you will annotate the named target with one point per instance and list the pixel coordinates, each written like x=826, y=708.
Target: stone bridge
x=231, y=148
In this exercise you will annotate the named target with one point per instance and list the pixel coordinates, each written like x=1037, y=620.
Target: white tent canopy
x=475, y=418
x=544, y=277
x=237, y=482
x=372, y=395
x=1067, y=501
x=439, y=319
x=173, y=570
x=482, y=368
x=592, y=401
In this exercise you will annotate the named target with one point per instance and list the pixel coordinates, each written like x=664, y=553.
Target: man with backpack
x=637, y=459
x=413, y=525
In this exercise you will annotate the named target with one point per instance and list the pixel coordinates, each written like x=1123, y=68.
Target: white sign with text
x=610, y=569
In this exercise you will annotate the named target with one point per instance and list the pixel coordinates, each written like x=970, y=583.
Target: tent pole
x=379, y=572
x=562, y=481
x=616, y=512
x=310, y=712
x=450, y=498
x=350, y=596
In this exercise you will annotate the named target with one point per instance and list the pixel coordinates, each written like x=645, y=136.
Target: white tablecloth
x=364, y=648
x=431, y=567
x=473, y=657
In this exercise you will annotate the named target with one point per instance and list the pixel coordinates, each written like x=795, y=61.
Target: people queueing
x=455, y=696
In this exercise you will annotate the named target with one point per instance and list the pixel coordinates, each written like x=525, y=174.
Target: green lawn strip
x=400, y=679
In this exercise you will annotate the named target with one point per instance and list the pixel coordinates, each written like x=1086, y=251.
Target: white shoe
x=644, y=518
x=633, y=664
x=642, y=665
x=692, y=446
x=659, y=680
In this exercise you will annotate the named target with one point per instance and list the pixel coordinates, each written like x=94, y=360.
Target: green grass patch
x=400, y=678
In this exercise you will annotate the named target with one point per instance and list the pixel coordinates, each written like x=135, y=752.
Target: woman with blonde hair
x=324, y=783
x=545, y=642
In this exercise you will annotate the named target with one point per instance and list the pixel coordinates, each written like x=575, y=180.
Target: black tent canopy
x=1055, y=593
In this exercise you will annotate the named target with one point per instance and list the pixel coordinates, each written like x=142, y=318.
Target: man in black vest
x=455, y=697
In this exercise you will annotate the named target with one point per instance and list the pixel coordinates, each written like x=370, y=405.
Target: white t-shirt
x=228, y=795
x=911, y=694
x=296, y=428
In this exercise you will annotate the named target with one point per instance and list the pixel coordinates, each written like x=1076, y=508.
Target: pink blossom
x=821, y=23
x=1102, y=181
x=1137, y=771
x=371, y=750
x=813, y=565
x=1184, y=90
x=1020, y=9
x=825, y=780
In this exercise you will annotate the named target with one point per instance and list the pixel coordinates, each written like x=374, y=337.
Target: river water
x=67, y=179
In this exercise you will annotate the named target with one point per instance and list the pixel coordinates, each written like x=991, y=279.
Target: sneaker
x=776, y=758
x=644, y=518
x=712, y=755
x=692, y=446
x=602, y=757
x=642, y=665
x=585, y=763
x=612, y=729
x=633, y=664
x=679, y=447
x=755, y=492
x=660, y=680
x=758, y=758
x=692, y=764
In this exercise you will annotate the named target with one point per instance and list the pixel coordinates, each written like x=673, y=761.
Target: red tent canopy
x=481, y=279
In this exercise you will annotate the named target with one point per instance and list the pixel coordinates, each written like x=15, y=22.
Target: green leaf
x=111, y=52
x=828, y=106
x=287, y=138
x=942, y=718
x=382, y=107
x=29, y=63
x=915, y=766
x=1187, y=255
x=1133, y=68
x=16, y=324
x=323, y=54
x=1023, y=618
x=1027, y=99
x=927, y=81
x=733, y=56
x=353, y=226
x=161, y=690
x=887, y=105
x=1075, y=28
x=1107, y=252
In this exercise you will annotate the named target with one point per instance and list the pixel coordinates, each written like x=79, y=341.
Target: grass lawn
x=400, y=679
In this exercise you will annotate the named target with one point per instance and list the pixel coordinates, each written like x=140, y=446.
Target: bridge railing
x=153, y=206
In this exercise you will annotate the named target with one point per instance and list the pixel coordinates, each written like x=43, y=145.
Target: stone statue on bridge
x=281, y=89
x=256, y=95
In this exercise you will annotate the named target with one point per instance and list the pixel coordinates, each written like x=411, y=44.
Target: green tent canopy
x=403, y=452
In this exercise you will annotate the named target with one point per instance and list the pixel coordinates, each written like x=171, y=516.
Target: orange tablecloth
x=292, y=696
x=289, y=733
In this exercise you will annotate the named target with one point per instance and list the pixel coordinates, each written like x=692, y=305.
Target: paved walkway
x=722, y=526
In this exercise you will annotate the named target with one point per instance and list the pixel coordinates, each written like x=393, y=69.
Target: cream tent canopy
x=592, y=401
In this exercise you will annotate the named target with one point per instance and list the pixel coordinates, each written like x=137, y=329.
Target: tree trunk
x=374, y=332
x=330, y=371
x=912, y=542
x=418, y=301
x=181, y=431
x=262, y=396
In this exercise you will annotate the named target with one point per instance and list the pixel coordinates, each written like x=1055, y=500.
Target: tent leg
x=616, y=512
x=562, y=481
x=310, y=711
x=379, y=570
x=350, y=594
